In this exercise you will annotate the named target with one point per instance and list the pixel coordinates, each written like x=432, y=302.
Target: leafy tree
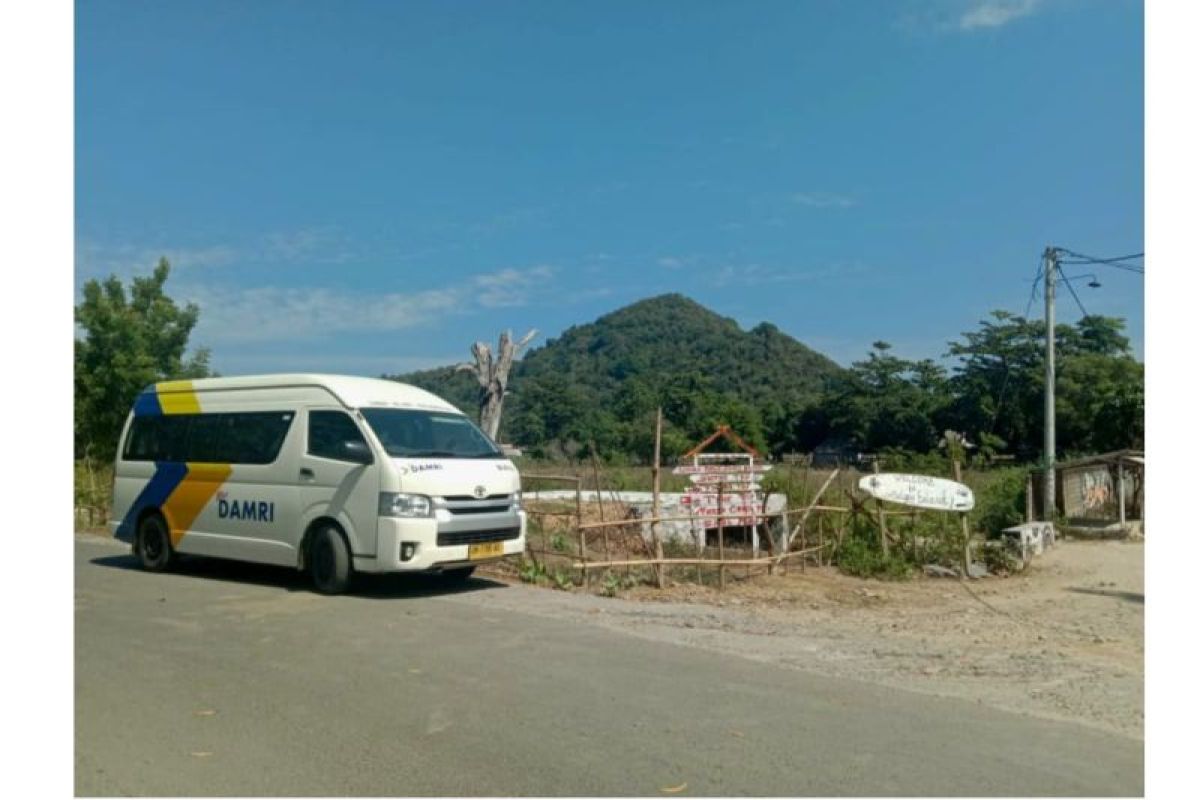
x=129, y=341
x=999, y=385
x=888, y=402
x=998, y=382
x=1100, y=403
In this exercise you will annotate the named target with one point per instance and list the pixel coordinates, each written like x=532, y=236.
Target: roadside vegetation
x=584, y=403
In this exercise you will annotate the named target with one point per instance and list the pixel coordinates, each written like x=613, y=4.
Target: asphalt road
x=230, y=679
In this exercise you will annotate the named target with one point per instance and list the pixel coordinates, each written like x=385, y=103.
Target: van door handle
x=305, y=472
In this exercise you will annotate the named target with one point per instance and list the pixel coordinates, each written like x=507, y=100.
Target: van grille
x=465, y=504
x=477, y=509
x=475, y=537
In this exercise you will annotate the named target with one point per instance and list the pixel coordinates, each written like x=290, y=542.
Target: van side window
x=328, y=431
x=257, y=438
x=157, y=438
x=231, y=438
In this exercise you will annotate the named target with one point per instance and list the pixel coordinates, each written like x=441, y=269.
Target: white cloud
x=995, y=13
x=95, y=260
x=277, y=313
x=320, y=244
x=759, y=275
x=822, y=200
x=509, y=287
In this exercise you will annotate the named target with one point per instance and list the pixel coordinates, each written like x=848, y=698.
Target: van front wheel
x=154, y=544
x=329, y=561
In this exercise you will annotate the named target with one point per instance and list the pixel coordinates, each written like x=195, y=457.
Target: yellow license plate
x=485, y=550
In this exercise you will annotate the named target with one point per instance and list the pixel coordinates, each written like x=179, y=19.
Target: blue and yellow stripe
x=179, y=490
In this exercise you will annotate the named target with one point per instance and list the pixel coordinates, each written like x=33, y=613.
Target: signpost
x=919, y=491
x=924, y=491
x=725, y=488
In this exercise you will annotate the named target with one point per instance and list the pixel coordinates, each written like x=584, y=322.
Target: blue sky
x=368, y=187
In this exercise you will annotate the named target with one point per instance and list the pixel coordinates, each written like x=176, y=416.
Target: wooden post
x=966, y=527
x=753, y=533
x=912, y=532
x=699, y=540
x=766, y=529
x=787, y=543
x=599, y=498
x=1121, y=492
x=659, y=569
x=541, y=521
x=1029, y=497
x=883, y=542
x=804, y=483
x=721, y=534
x=821, y=544
x=587, y=576
x=804, y=539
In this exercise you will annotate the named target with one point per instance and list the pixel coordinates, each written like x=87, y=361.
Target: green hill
x=600, y=382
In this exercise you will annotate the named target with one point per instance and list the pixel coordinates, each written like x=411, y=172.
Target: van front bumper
x=423, y=534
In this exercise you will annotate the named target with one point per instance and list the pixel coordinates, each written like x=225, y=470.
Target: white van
x=327, y=473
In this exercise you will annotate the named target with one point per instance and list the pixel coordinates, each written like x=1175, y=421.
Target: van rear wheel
x=154, y=544
x=329, y=561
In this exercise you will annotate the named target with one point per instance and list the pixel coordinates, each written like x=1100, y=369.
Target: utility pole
x=1050, y=268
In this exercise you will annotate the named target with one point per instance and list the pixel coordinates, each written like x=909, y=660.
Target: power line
x=1008, y=367
x=1033, y=291
x=1126, y=267
x=1067, y=281
x=1115, y=261
x=1110, y=259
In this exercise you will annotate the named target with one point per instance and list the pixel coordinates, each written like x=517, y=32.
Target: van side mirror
x=357, y=452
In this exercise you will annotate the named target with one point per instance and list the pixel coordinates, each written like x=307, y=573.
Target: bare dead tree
x=492, y=374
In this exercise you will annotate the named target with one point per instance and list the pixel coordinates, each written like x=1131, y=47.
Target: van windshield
x=410, y=433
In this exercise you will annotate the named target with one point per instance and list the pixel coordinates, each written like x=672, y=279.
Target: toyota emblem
x=481, y=492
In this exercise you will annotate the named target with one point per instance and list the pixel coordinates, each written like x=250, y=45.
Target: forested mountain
x=600, y=382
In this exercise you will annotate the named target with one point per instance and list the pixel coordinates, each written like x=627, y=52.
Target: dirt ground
x=1063, y=640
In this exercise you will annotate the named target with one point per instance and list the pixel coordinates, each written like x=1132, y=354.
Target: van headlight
x=516, y=499
x=399, y=504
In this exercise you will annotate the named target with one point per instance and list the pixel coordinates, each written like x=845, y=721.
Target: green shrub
x=614, y=583
x=531, y=571
x=860, y=555
x=1000, y=557
x=93, y=484
x=864, y=560
x=897, y=460
x=1000, y=503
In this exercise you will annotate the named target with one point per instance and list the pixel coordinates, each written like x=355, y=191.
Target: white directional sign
x=729, y=480
x=720, y=469
x=723, y=493
x=919, y=491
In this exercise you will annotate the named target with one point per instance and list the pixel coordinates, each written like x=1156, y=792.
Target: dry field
x=1063, y=640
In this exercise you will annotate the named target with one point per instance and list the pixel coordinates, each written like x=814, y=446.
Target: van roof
x=353, y=391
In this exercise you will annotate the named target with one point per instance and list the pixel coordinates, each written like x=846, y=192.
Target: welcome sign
x=919, y=491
